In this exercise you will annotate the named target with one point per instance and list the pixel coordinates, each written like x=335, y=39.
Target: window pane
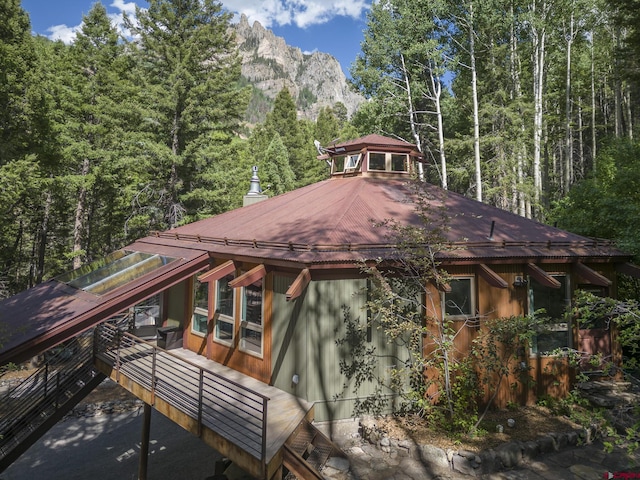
x=352, y=161
x=553, y=300
x=252, y=304
x=147, y=312
x=376, y=161
x=252, y=340
x=399, y=163
x=338, y=164
x=459, y=301
x=200, y=322
x=224, y=296
x=251, y=331
x=549, y=341
x=201, y=297
x=224, y=331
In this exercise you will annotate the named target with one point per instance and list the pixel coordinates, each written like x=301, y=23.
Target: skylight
x=113, y=271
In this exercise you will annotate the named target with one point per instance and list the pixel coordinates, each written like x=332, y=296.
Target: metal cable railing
x=46, y=392
x=233, y=411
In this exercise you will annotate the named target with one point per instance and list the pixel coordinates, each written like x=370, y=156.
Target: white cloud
x=68, y=34
x=125, y=7
x=64, y=33
x=301, y=13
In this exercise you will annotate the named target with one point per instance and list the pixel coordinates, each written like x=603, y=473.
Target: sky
x=330, y=26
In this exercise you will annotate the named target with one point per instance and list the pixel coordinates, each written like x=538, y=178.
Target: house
x=262, y=290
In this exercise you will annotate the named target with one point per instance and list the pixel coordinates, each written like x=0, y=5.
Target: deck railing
x=27, y=410
x=233, y=411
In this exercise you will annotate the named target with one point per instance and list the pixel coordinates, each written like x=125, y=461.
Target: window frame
x=405, y=162
x=223, y=318
x=473, y=301
x=338, y=164
x=384, y=156
x=560, y=325
x=389, y=159
x=246, y=325
x=199, y=310
x=351, y=161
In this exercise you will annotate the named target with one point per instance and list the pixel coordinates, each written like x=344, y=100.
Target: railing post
x=264, y=432
x=153, y=377
x=117, y=336
x=57, y=389
x=46, y=379
x=200, y=395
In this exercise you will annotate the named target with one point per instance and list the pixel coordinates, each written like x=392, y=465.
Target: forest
x=529, y=105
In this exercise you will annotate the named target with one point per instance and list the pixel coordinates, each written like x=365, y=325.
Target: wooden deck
x=242, y=418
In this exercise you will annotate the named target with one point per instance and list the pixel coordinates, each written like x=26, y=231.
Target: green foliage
x=297, y=137
x=190, y=74
x=590, y=310
x=499, y=349
x=306, y=98
x=607, y=204
x=277, y=174
x=17, y=64
x=259, y=105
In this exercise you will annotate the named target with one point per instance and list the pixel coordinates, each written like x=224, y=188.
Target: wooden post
x=144, y=443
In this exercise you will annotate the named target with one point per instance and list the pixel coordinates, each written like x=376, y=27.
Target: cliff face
x=314, y=80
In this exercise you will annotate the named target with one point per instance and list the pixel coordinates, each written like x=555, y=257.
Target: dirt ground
x=108, y=391
x=530, y=423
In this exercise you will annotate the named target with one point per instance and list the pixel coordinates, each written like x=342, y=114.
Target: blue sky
x=331, y=26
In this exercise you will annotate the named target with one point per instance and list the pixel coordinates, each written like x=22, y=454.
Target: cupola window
x=388, y=162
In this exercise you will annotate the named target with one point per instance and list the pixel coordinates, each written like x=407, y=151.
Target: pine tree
x=297, y=137
x=17, y=63
x=98, y=121
x=190, y=73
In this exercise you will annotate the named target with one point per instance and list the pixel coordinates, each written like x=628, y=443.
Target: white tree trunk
x=436, y=87
x=539, y=38
x=568, y=157
x=412, y=117
x=476, y=120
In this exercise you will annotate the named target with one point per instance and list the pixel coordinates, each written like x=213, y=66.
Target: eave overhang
x=352, y=255
x=49, y=313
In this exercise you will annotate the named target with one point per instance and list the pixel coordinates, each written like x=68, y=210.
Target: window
x=338, y=164
x=251, y=318
x=201, y=308
x=460, y=301
x=113, y=271
x=351, y=162
x=225, y=304
x=399, y=163
x=377, y=161
x=145, y=317
x=554, y=301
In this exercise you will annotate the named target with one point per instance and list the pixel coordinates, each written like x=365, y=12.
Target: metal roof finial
x=254, y=188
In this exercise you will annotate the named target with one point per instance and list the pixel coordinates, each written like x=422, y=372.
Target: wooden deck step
x=306, y=452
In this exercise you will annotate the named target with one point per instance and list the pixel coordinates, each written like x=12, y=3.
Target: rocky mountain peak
x=314, y=80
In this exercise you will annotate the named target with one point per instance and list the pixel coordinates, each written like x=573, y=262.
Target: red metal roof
x=335, y=221
x=49, y=313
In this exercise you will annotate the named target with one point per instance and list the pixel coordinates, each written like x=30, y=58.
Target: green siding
x=176, y=304
x=304, y=334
